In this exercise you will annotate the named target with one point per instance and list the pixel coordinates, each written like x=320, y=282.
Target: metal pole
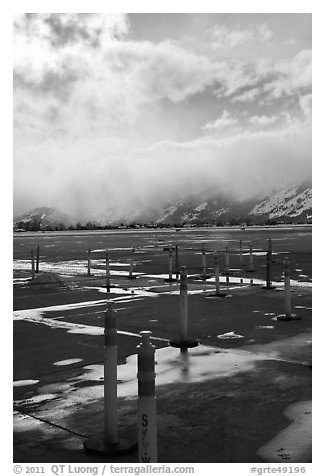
x=216, y=273
x=268, y=269
x=110, y=378
x=89, y=261
x=183, y=306
x=287, y=295
x=240, y=252
x=170, y=263
x=227, y=260
x=108, y=275
x=147, y=412
x=250, y=256
x=204, y=262
x=37, y=259
x=131, y=263
x=176, y=261
x=33, y=263
x=251, y=267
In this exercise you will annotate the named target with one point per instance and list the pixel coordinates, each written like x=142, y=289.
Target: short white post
x=108, y=275
x=110, y=378
x=216, y=273
x=183, y=315
x=240, y=252
x=251, y=265
x=33, y=263
x=176, y=262
x=250, y=256
x=227, y=260
x=147, y=412
x=131, y=263
x=204, y=262
x=287, y=295
x=170, y=263
x=37, y=259
x=89, y=261
x=268, y=271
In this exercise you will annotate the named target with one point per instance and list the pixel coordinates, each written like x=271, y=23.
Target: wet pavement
x=240, y=393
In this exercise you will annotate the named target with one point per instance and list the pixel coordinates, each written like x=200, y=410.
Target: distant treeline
x=36, y=225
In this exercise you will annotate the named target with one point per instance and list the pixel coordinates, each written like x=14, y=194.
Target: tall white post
x=251, y=265
x=227, y=260
x=216, y=273
x=240, y=252
x=287, y=294
x=204, y=262
x=110, y=378
x=32, y=263
x=37, y=259
x=147, y=412
x=176, y=262
x=183, y=315
x=250, y=256
x=89, y=261
x=131, y=263
x=108, y=275
x=170, y=263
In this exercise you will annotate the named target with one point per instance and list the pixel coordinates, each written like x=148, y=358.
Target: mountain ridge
x=293, y=204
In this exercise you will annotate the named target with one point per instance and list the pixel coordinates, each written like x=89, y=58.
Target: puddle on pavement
x=172, y=366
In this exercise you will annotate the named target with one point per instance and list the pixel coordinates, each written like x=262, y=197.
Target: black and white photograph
x=162, y=241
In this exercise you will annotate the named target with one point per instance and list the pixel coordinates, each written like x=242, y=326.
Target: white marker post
x=227, y=260
x=270, y=247
x=268, y=271
x=216, y=273
x=131, y=263
x=108, y=275
x=37, y=259
x=89, y=261
x=170, y=264
x=251, y=265
x=32, y=263
x=113, y=443
x=183, y=299
x=147, y=412
x=176, y=262
x=204, y=262
x=110, y=377
x=240, y=253
x=287, y=293
x=217, y=293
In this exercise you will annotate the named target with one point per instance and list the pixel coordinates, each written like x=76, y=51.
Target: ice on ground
x=67, y=362
x=293, y=444
x=230, y=335
x=24, y=383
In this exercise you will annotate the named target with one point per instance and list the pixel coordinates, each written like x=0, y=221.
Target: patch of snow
x=201, y=207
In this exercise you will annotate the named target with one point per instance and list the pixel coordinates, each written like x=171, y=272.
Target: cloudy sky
x=129, y=110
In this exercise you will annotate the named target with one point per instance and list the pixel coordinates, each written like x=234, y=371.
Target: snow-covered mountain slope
x=45, y=216
x=291, y=202
x=294, y=203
